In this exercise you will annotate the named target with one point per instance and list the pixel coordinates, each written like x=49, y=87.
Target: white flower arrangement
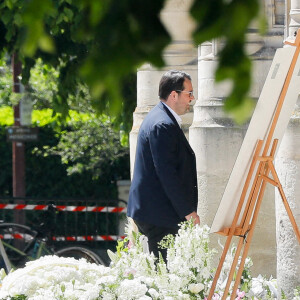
x=51, y=277
x=135, y=274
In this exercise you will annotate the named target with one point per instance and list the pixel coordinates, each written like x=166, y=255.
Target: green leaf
x=210, y=17
x=15, y=98
x=262, y=24
x=63, y=288
x=97, y=10
x=59, y=19
x=241, y=112
x=9, y=4
x=18, y=20
x=9, y=34
x=6, y=116
x=34, y=32
x=69, y=14
x=6, y=17
x=46, y=43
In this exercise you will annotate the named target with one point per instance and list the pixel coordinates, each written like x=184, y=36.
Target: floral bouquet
x=136, y=274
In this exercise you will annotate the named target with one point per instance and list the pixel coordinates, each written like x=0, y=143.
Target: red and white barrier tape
x=88, y=238
x=27, y=237
x=110, y=209
x=16, y=236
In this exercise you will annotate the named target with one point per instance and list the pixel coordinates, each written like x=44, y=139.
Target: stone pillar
x=180, y=54
x=288, y=168
x=216, y=140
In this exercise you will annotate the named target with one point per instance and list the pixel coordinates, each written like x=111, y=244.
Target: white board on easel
x=258, y=130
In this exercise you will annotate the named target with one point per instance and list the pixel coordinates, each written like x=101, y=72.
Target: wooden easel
x=251, y=209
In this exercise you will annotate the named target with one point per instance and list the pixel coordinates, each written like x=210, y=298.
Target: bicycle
x=21, y=243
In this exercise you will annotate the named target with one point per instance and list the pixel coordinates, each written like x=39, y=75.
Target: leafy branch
x=100, y=43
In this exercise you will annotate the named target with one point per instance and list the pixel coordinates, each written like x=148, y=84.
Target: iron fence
x=92, y=222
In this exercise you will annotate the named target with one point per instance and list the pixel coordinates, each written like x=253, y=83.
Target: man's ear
x=173, y=96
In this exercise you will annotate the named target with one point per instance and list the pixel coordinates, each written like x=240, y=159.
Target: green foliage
x=91, y=145
x=121, y=247
x=47, y=177
x=229, y=20
x=43, y=84
x=87, y=150
x=42, y=117
x=18, y=297
x=6, y=116
x=297, y=291
x=283, y=296
x=43, y=88
x=99, y=44
x=39, y=117
x=5, y=83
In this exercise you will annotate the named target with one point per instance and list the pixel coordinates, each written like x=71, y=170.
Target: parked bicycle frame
x=22, y=243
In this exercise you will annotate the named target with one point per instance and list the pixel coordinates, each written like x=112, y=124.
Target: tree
x=92, y=146
x=43, y=85
x=86, y=148
x=100, y=43
x=87, y=142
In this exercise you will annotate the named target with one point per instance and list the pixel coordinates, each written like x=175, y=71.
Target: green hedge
x=46, y=177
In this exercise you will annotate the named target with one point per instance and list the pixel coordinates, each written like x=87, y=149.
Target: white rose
x=154, y=294
x=196, y=288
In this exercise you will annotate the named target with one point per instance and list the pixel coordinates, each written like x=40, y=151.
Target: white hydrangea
x=52, y=275
x=131, y=289
x=135, y=275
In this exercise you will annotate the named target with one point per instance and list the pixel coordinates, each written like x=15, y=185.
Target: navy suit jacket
x=164, y=186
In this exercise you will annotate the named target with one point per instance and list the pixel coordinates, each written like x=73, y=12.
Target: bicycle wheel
x=80, y=252
x=17, y=240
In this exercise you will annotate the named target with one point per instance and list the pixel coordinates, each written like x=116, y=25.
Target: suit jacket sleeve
x=164, y=142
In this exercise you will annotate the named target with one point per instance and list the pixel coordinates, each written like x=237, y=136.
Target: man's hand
x=195, y=217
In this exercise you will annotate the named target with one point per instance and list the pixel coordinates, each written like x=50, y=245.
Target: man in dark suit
x=164, y=190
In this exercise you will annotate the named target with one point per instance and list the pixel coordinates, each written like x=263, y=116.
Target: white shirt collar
x=178, y=119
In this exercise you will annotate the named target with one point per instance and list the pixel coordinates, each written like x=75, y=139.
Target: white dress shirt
x=178, y=119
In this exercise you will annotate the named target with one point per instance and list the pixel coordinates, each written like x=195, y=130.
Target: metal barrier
x=88, y=221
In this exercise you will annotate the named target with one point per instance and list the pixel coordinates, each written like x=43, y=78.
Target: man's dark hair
x=172, y=81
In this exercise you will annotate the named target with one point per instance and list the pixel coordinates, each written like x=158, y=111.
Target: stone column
x=288, y=168
x=216, y=140
x=181, y=54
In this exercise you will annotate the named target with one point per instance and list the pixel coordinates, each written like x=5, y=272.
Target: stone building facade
x=216, y=140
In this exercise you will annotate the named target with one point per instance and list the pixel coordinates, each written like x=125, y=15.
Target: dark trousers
x=155, y=235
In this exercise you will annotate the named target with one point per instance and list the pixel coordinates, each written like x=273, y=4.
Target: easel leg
x=218, y=271
x=262, y=184
x=249, y=239
x=254, y=202
x=285, y=203
x=257, y=194
x=235, y=220
x=233, y=267
x=247, y=217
